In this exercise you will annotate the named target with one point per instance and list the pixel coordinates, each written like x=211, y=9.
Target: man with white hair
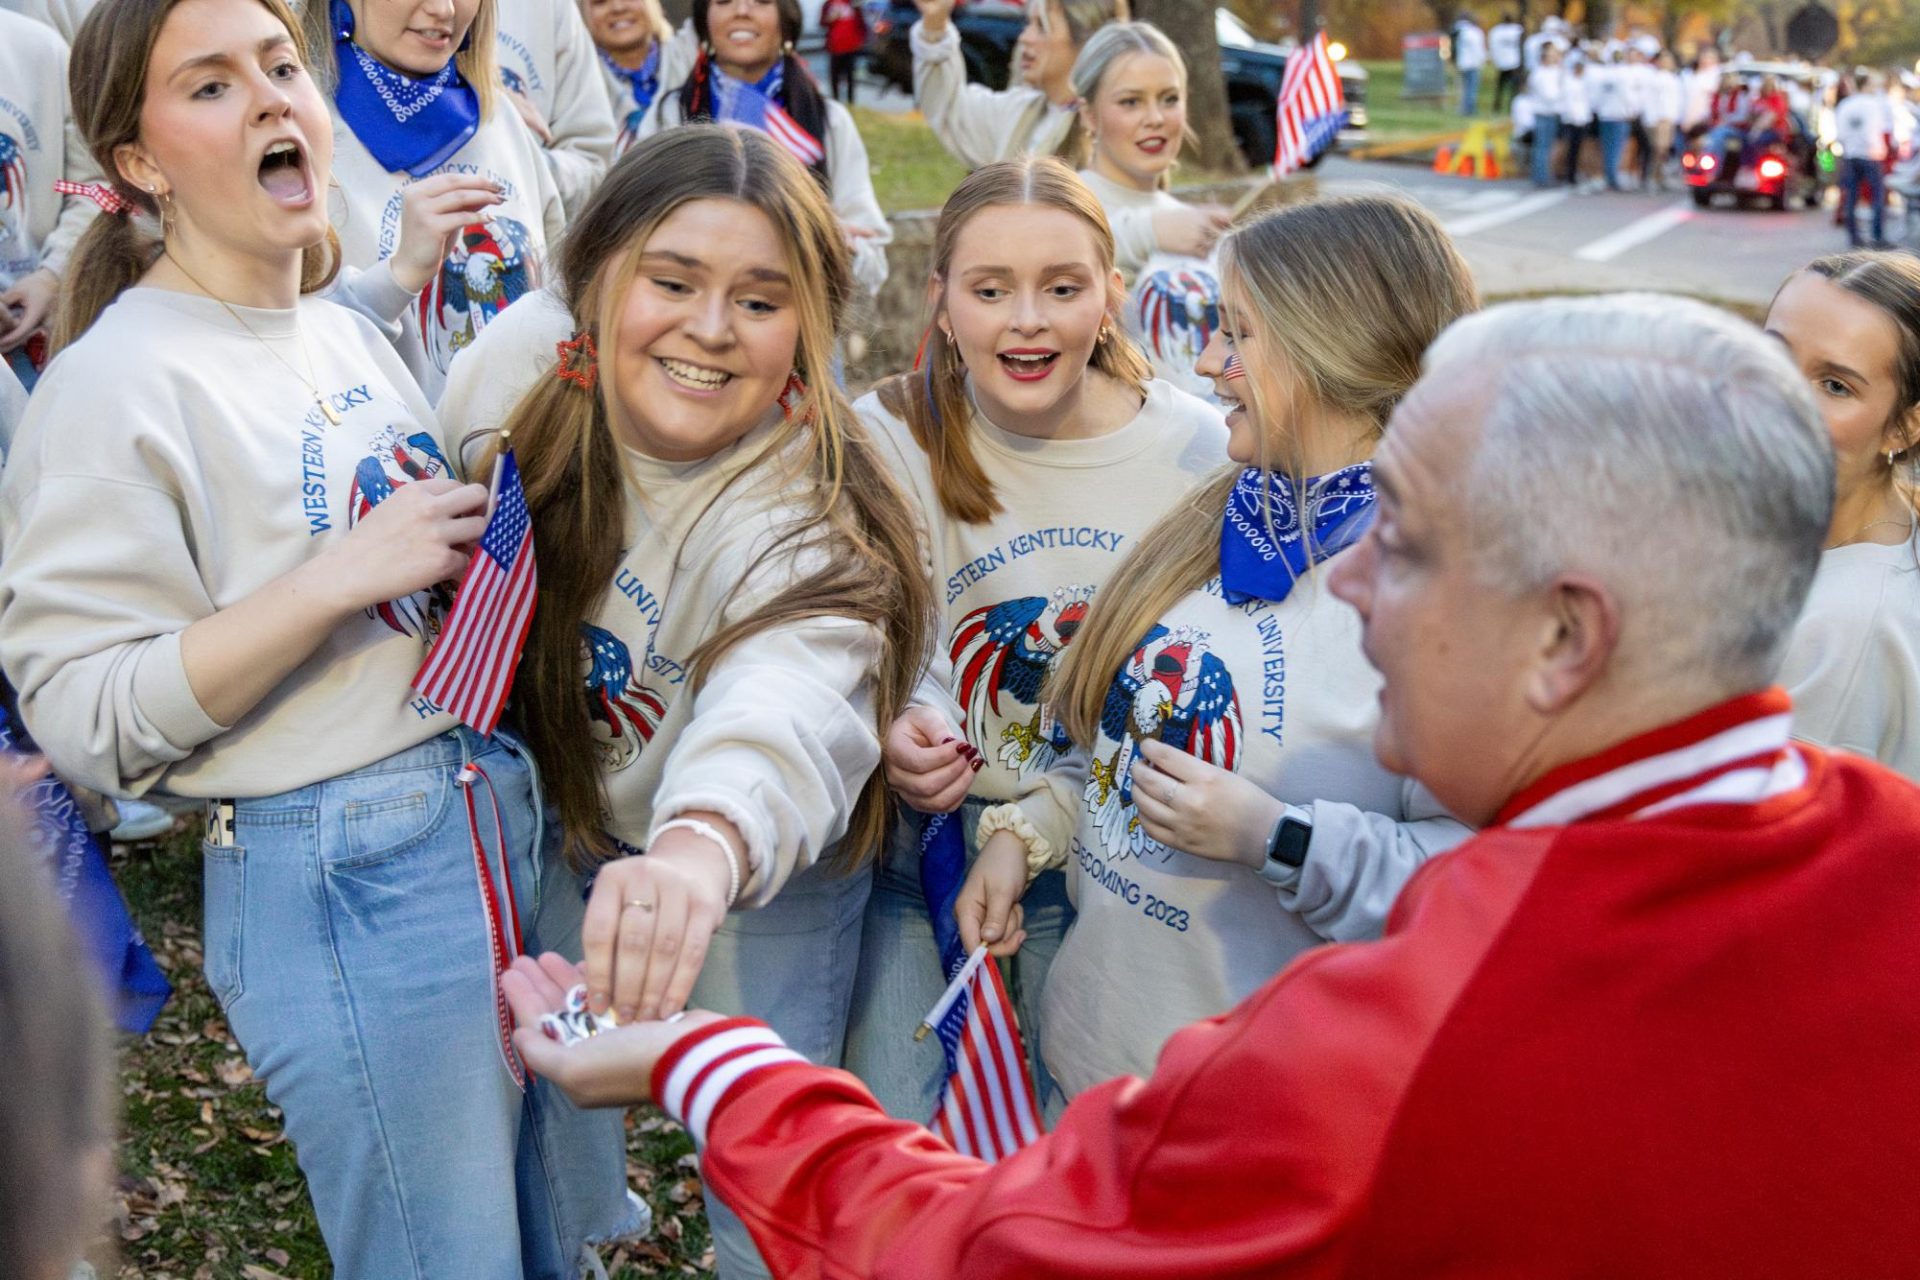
x=1657, y=1020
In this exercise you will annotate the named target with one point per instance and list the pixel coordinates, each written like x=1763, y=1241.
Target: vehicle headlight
x=1337, y=51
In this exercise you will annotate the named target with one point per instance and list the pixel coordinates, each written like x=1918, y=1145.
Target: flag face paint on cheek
x=1234, y=368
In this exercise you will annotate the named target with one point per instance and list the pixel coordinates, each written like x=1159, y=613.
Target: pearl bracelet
x=707, y=831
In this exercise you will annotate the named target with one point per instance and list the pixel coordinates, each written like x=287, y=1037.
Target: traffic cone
x=1443, y=159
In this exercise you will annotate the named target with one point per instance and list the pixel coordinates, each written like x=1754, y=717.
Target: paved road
x=1519, y=240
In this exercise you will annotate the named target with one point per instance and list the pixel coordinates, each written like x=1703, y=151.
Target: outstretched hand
x=612, y=1069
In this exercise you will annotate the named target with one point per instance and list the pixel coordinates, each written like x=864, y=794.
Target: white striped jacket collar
x=1736, y=753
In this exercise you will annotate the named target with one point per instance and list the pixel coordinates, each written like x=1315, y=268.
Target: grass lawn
x=209, y=1189
x=911, y=170
x=1391, y=117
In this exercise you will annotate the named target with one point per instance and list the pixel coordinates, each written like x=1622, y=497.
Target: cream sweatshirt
x=677, y=57
x=1853, y=665
x=1280, y=694
x=64, y=16
x=1173, y=301
x=494, y=261
x=977, y=124
x=783, y=735
x=543, y=45
x=851, y=181
x=1013, y=589
x=38, y=144
x=220, y=474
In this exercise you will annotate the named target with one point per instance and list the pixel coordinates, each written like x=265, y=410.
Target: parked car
x=988, y=28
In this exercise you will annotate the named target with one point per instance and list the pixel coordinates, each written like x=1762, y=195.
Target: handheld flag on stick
x=743, y=104
x=1312, y=108
x=134, y=985
x=987, y=1108
x=469, y=670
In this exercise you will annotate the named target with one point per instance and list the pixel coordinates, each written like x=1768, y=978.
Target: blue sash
x=410, y=123
x=131, y=980
x=1264, y=548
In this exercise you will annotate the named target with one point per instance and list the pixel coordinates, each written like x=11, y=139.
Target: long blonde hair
x=477, y=58
x=1107, y=46
x=1347, y=295
x=571, y=465
x=932, y=397
x=108, y=77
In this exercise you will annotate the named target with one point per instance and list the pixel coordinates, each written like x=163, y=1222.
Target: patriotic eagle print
x=1175, y=690
x=1001, y=654
x=13, y=174
x=1176, y=306
x=492, y=265
x=396, y=458
x=624, y=711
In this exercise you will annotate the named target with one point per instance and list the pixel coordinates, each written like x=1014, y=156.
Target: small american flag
x=742, y=104
x=1234, y=368
x=987, y=1108
x=471, y=666
x=1312, y=108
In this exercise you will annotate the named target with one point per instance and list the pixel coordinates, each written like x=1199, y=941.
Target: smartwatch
x=1287, y=847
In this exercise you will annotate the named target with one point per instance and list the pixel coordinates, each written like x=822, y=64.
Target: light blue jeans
x=791, y=965
x=1613, y=146
x=346, y=941
x=900, y=979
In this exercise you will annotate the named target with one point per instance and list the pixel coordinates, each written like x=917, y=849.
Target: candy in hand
x=576, y=1022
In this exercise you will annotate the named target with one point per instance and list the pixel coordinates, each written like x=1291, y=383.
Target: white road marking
x=1524, y=207
x=1636, y=233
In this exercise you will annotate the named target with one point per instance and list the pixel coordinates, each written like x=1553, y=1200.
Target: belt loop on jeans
x=504, y=942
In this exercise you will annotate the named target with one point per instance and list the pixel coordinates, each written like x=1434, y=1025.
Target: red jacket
x=846, y=26
x=1662, y=1020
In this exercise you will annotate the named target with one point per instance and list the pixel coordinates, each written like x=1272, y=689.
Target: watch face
x=1290, y=840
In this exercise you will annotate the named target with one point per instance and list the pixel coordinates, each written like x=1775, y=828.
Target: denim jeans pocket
x=382, y=827
x=224, y=870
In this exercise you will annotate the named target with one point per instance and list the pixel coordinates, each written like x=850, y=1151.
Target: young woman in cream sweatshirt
x=1036, y=447
x=733, y=597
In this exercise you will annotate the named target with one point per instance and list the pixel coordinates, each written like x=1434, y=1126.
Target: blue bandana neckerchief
x=771, y=86
x=407, y=122
x=643, y=83
x=1258, y=562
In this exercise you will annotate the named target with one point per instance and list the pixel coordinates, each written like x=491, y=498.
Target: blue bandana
x=772, y=87
x=1259, y=561
x=644, y=83
x=408, y=122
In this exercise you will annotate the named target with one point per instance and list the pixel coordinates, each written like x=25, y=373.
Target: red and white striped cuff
x=698, y=1071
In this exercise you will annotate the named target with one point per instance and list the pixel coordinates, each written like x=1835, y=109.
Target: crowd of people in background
x=1105, y=575
x=1617, y=114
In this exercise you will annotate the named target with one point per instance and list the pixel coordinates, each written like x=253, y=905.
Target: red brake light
x=1689, y=160
x=1773, y=167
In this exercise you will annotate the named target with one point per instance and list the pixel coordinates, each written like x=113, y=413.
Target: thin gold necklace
x=313, y=383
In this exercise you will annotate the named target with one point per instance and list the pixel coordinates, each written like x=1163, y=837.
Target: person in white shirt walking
x=1469, y=55
x=1505, y=46
x=1547, y=90
x=1660, y=116
x=1862, y=125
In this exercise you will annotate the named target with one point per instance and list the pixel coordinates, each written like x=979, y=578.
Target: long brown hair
x=575, y=480
x=1347, y=295
x=932, y=397
x=107, y=75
